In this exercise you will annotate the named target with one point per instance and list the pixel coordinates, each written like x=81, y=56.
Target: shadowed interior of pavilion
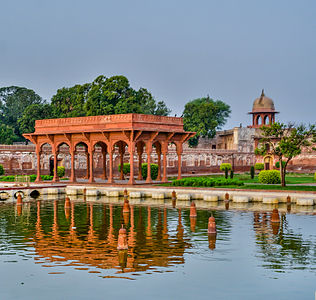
x=128, y=137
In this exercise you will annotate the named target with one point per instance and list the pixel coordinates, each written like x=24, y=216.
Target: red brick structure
x=130, y=133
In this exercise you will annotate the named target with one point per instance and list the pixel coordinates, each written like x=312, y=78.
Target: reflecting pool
x=53, y=250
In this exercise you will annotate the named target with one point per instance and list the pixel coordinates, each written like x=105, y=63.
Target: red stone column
x=148, y=150
x=91, y=175
x=122, y=151
x=55, y=178
x=72, y=173
x=164, y=153
x=110, y=178
x=131, y=149
x=38, y=173
x=140, y=151
x=88, y=166
x=104, y=163
x=158, y=150
x=179, y=153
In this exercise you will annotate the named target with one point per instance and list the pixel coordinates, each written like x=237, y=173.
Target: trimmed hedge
x=11, y=178
x=205, y=182
x=225, y=166
x=126, y=168
x=154, y=170
x=1, y=170
x=315, y=176
x=252, y=172
x=259, y=166
x=269, y=177
x=60, y=171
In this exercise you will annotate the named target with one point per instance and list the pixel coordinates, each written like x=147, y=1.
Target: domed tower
x=263, y=111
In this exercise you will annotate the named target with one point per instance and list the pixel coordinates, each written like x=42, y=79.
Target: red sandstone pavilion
x=133, y=132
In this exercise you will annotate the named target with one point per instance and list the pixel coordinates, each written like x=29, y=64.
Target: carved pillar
x=148, y=150
x=110, y=178
x=179, y=153
x=91, y=175
x=158, y=150
x=122, y=151
x=88, y=166
x=38, y=173
x=55, y=153
x=164, y=153
x=140, y=150
x=104, y=163
x=131, y=149
x=72, y=172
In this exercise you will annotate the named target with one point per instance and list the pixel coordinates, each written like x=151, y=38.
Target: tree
x=34, y=112
x=13, y=102
x=286, y=142
x=7, y=135
x=69, y=102
x=204, y=116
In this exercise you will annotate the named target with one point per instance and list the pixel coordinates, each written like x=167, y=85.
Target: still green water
x=49, y=252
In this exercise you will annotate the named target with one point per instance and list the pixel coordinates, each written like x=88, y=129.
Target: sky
x=179, y=50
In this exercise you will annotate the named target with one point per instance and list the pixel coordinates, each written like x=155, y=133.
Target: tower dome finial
x=262, y=93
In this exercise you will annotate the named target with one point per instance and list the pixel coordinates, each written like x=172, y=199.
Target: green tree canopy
x=7, y=135
x=13, y=102
x=286, y=142
x=32, y=113
x=204, y=116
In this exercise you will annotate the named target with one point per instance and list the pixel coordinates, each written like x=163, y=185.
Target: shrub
x=225, y=167
x=315, y=176
x=277, y=164
x=126, y=168
x=269, y=177
x=252, y=172
x=60, y=171
x=1, y=170
x=231, y=174
x=259, y=166
x=154, y=171
x=205, y=182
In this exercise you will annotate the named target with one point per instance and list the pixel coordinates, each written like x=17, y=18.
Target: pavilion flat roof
x=109, y=123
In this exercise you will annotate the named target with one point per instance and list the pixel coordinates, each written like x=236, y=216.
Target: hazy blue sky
x=179, y=50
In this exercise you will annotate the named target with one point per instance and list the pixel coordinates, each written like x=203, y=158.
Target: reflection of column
x=180, y=227
x=38, y=226
x=55, y=223
x=38, y=176
x=148, y=233
x=148, y=150
x=91, y=231
x=110, y=236
x=165, y=224
x=131, y=236
x=140, y=149
x=55, y=178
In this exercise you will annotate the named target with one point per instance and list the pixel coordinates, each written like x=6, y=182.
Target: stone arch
x=266, y=120
x=268, y=162
x=120, y=147
x=81, y=164
x=100, y=150
x=258, y=120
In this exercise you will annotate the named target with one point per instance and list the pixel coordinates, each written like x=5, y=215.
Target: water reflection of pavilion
x=148, y=248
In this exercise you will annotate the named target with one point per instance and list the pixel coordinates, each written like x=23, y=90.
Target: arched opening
x=266, y=120
x=259, y=120
x=46, y=154
x=100, y=158
x=140, y=150
x=82, y=160
x=35, y=194
x=267, y=163
x=120, y=148
x=64, y=158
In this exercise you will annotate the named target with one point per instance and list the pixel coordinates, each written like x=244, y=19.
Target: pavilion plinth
x=131, y=133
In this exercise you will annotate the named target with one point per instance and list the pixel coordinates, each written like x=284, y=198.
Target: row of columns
x=160, y=149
